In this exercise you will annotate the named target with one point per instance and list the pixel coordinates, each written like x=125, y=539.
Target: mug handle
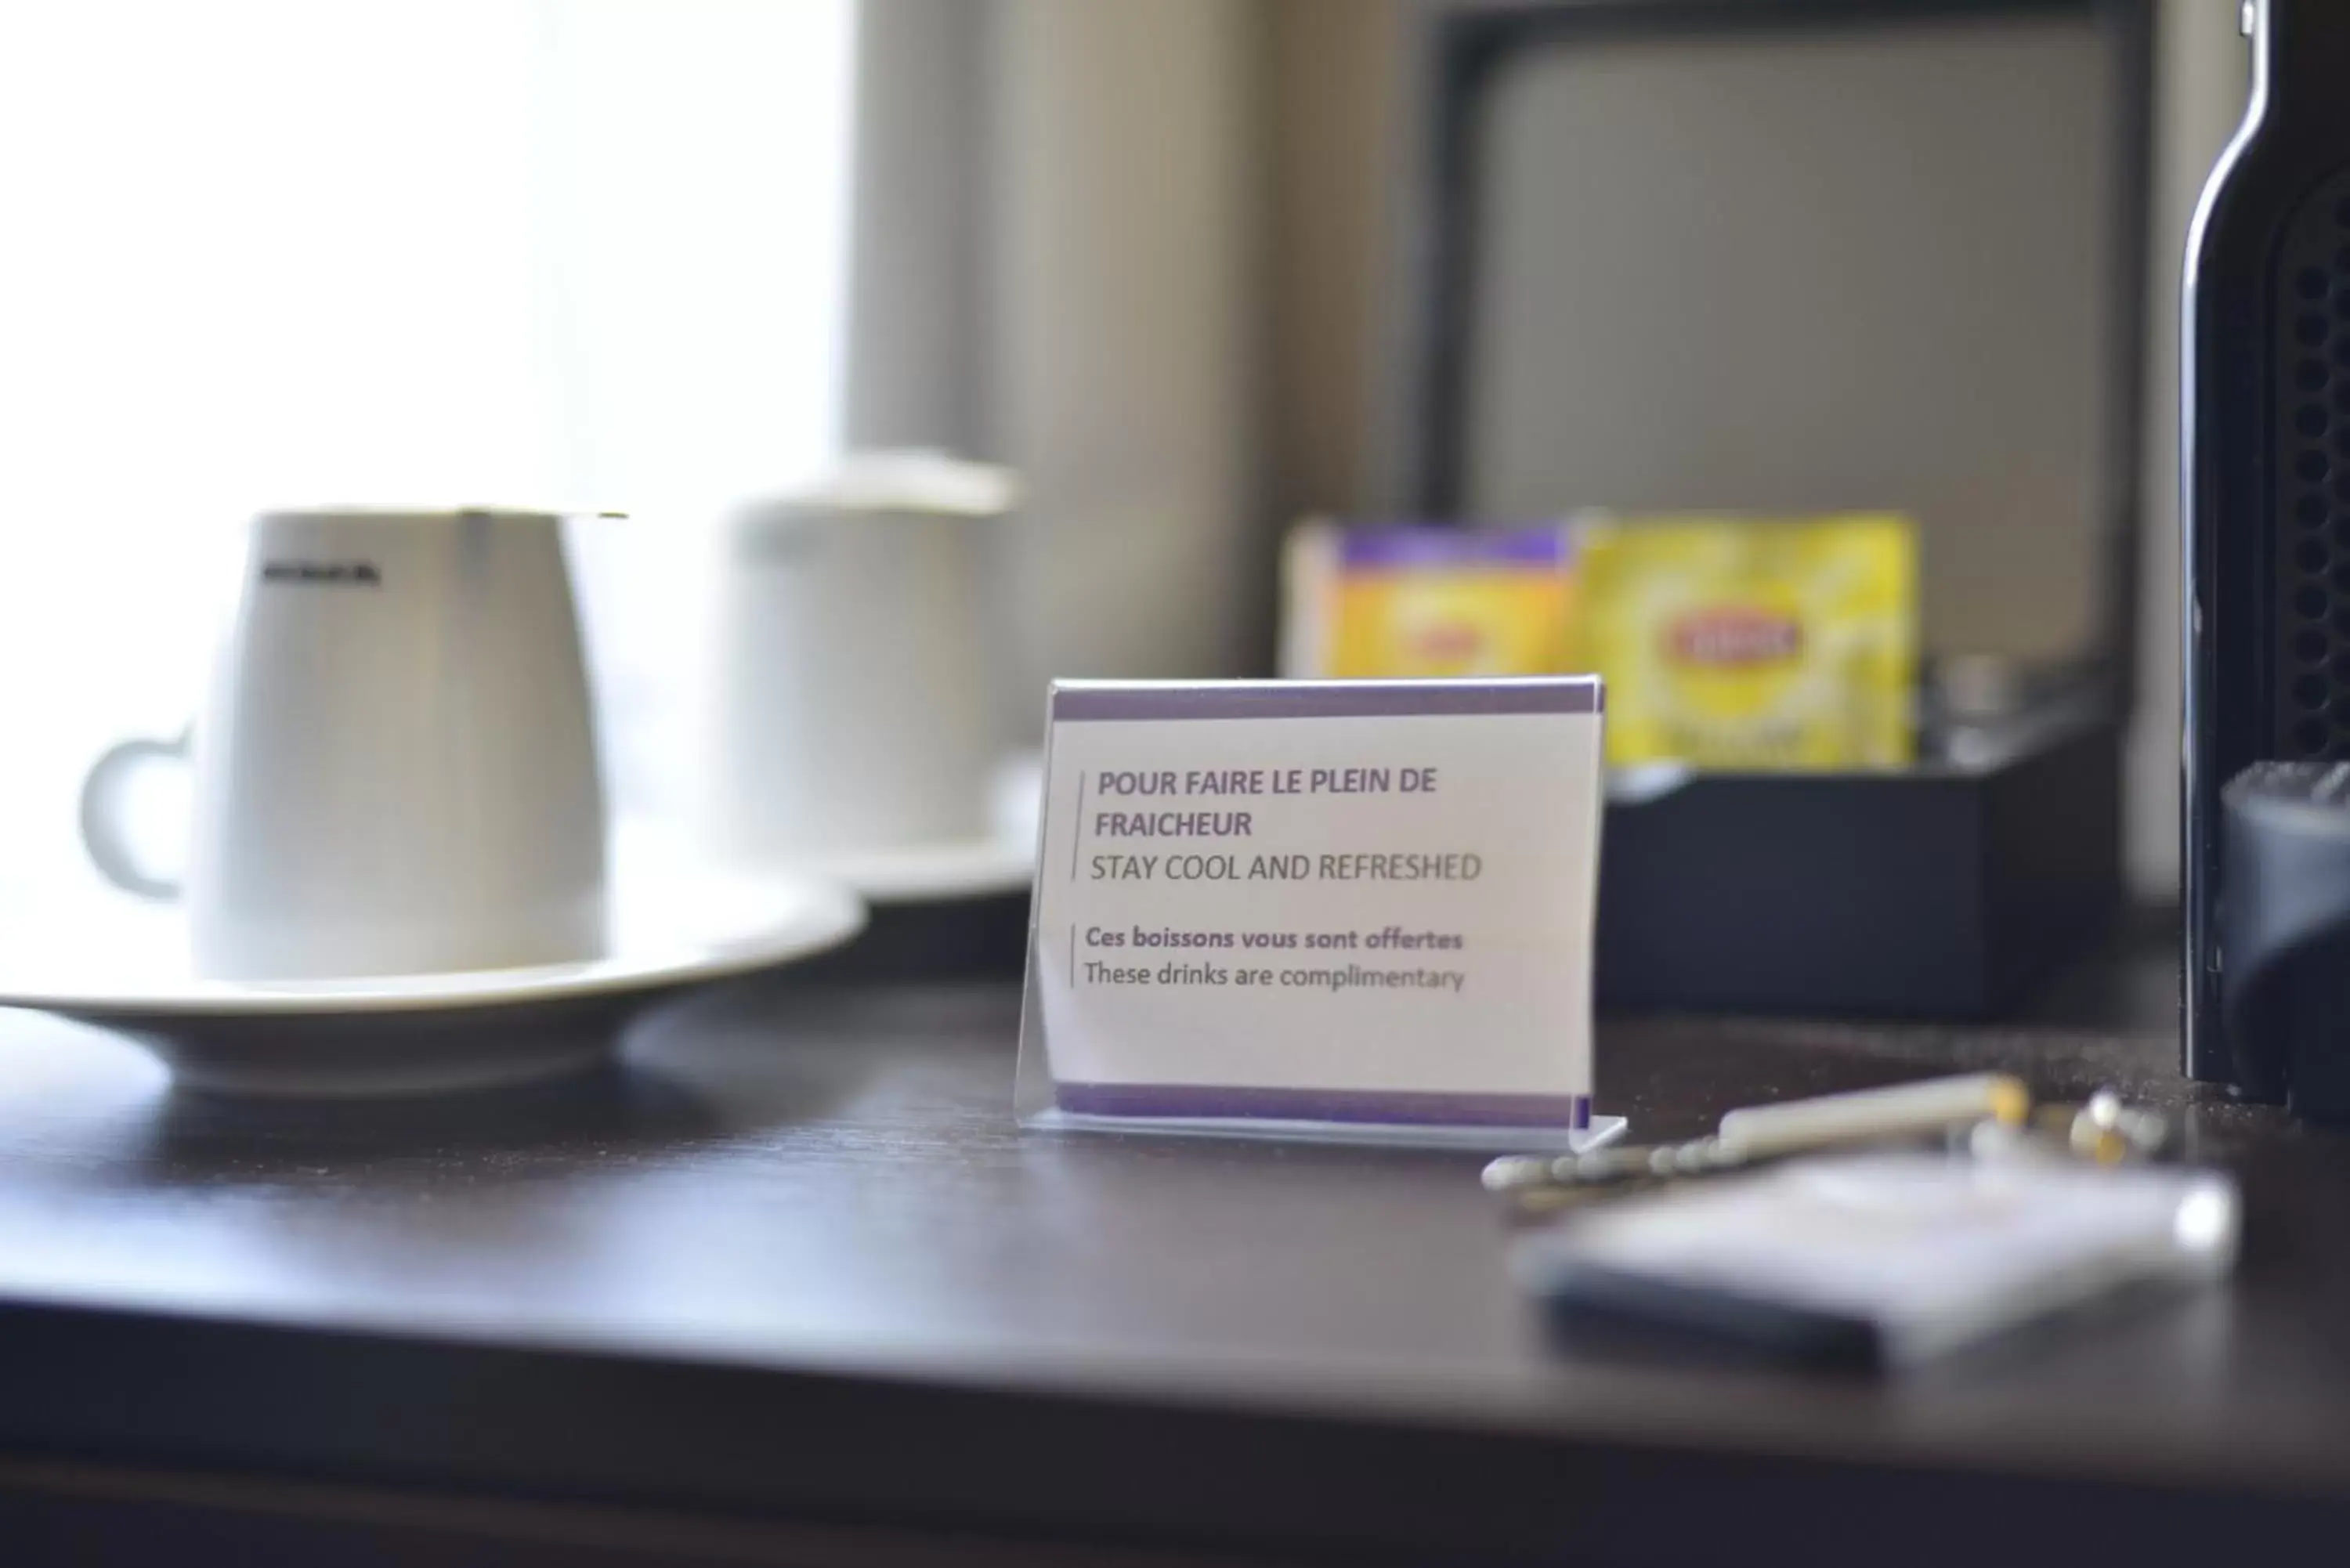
x=102, y=815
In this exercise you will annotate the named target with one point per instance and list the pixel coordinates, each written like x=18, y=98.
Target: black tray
x=1938, y=891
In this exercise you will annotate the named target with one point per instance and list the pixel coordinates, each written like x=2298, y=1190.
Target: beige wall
x=1059, y=264
x=1125, y=383
x=1331, y=72
x=917, y=295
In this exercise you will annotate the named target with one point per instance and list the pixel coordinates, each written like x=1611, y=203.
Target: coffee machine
x=2266, y=473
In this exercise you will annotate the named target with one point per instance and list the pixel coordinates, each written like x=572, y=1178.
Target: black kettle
x=2266, y=475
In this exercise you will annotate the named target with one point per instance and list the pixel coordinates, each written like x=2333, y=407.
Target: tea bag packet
x=1751, y=643
x=1415, y=601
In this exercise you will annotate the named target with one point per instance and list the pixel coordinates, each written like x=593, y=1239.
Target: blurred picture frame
x=1674, y=254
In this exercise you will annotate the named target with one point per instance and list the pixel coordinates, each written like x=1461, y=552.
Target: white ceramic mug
x=396, y=770
x=855, y=687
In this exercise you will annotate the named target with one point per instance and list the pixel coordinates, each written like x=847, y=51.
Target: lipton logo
x=1732, y=635
x=328, y=573
x=1446, y=640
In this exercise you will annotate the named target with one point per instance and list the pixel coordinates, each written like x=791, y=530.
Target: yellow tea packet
x=1411, y=602
x=1733, y=642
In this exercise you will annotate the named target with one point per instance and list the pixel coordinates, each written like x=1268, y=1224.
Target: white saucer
x=1002, y=861
x=920, y=873
x=672, y=924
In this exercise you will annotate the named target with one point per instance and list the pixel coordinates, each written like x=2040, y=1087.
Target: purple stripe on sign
x=1396, y=1108
x=1080, y=700
x=1419, y=545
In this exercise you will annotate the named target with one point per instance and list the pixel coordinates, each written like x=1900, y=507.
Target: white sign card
x=1272, y=906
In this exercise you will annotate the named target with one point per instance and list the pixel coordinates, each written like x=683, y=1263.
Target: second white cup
x=855, y=654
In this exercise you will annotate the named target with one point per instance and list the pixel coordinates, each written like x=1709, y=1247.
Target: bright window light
x=583, y=252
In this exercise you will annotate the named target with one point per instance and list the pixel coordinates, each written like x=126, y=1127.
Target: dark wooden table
x=788, y=1286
